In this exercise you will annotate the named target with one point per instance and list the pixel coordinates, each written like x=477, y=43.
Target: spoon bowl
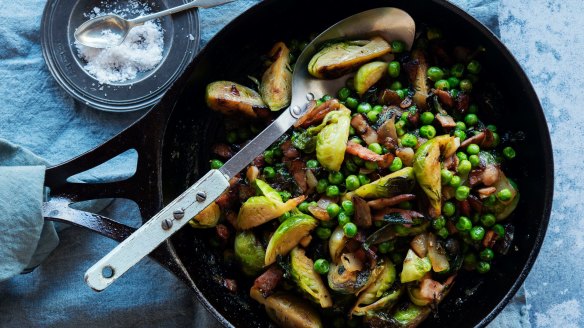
x=104, y=31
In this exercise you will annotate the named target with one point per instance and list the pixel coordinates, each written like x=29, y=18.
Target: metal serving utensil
x=390, y=23
x=111, y=30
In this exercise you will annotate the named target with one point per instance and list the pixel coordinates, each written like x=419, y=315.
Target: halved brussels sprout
x=250, y=253
x=302, y=270
x=331, y=141
x=411, y=315
x=427, y=169
x=208, y=217
x=288, y=311
x=368, y=75
x=337, y=242
x=258, y=210
x=268, y=191
x=414, y=268
x=288, y=235
x=346, y=282
x=375, y=297
x=396, y=183
x=276, y=86
x=231, y=98
x=337, y=59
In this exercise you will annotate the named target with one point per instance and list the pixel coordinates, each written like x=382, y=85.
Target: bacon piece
x=389, y=97
x=356, y=149
x=268, y=281
x=462, y=103
x=298, y=170
x=444, y=97
x=222, y=150
x=446, y=121
x=490, y=239
x=222, y=232
x=288, y=150
x=316, y=114
x=476, y=139
x=362, y=215
x=464, y=207
x=486, y=192
x=363, y=129
x=230, y=284
x=381, y=203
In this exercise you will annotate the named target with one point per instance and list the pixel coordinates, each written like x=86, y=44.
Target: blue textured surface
x=545, y=35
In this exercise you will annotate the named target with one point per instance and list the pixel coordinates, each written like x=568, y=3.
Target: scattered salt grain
x=141, y=51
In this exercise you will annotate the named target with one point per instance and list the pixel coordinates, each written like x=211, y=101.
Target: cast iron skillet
x=173, y=141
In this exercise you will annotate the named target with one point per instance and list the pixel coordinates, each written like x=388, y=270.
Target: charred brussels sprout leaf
x=276, y=86
x=331, y=141
x=208, y=218
x=288, y=235
x=340, y=58
x=304, y=141
x=373, y=298
x=309, y=282
x=249, y=252
x=414, y=268
x=230, y=98
x=261, y=209
x=396, y=183
x=368, y=75
x=288, y=311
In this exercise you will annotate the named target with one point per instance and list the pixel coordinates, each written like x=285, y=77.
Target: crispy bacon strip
x=356, y=149
x=381, y=203
x=363, y=129
x=268, y=281
x=222, y=150
x=476, y=139
x=316, y=114
x=446, y=121
x=298, y=170
x=444, y=97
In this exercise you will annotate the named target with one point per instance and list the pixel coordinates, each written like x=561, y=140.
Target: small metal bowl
x=62, y=17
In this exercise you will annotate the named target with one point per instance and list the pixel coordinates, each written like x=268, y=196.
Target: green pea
x=474, y=67
x=462, y=193
x=460, y=126
x=490, y=201
x=439, y=223
x=343, y=218
x=435, y=73
x=343, y=93
x=351, y=102
x=396, y=164
x=269, y=156
x=351, y=167
x=499, y=230
x=357, y=140
x=409, y=140
x=284, y=216
x=326, y=98
x=363, y=179
x=303, y=207
x=350, y=229
x=323, y=233
x=434, y=33
x=398, y=46
x=474, y=160
x=443, y=233
x=372, y=116
x=483, y=267
x=461, y=156
x=463, y=224
x=427, y=118
x=466, y=85
x=488, y=220
x=446, y=176
x=492, y=127
x=376, y=148
x=352, y=182
x=457, y=70
x=455, y=181
x=496, y=139
x=269, y=172
x=285, y=195
x=509, y=152
x=216, y=164
x=358, y=161
x=371, y=165
x=442, y=85
x=231, y=137
x=448, y=209
x=427, y=131
x=464, y=167
x=321, y=186
x=471, y=119
x=473, y=149
x=454, y=93
x=396, y=85
x=348, y=207
x=312, y=164
x=504, y=195
x=332, y=191
x=333, y=210
x=364, y=108
x=487, y=254
x=453, y=82
x=336, y=177
x=385, y=247
x=394, y=69
x=377, y=108
x=460, y=134
x=321, y=266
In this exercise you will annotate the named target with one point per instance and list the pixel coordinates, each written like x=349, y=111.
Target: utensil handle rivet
x=201, y=196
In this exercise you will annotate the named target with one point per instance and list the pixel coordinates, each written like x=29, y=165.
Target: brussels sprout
x=276, y=86
x=249, y=252
x=302, y=270
x=396, y=183
x=288, y=311
x=331, y=141
x=368, y=75
x=288, y=235
x=207, y=218
x=377, y=295
x=427, y=169
x=340, y=58
x=346, y=282
x=231, y=98
x=414, y=268
x=258, y=210
x=410, y=315
x=268, y=191
x=502, y=209
x=337, y=242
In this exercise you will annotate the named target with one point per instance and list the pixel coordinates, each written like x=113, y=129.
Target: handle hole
x=107, y=272
x=119, y=168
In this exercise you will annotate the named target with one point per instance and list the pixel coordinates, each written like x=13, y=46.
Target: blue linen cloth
x=38, y=115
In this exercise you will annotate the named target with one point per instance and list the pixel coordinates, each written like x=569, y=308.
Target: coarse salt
x=141, y=51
